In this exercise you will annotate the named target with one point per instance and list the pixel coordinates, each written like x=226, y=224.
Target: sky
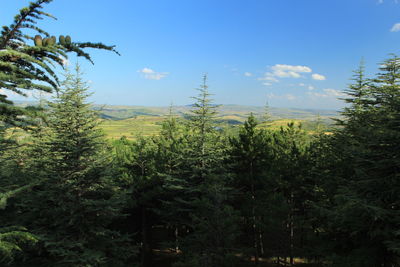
x=289, y=53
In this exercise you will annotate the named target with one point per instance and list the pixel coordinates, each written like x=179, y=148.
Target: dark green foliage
x=12, y=239
x=251, y=156
x=136, y=166
x=23, y=67
x=199, y=186
x=292, y=182
x=78, y=186
x=359, y=190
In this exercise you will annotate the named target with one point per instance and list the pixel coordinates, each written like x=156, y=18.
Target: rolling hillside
x=132, y=121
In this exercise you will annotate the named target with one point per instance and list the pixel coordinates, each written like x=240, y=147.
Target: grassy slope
x=151, y=125
x=131, y=121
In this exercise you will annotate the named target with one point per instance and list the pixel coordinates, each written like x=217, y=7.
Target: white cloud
x=284, y=71
x=152, y=75
x=268, y=78
x=318, y=77
x=302, y=84
x=310, y=87
x=333, y=92
x=289, y=97
x=328, y=93
x=286, y=74
x=288, y=71
x=267, y=84
x=284, y=67
x=395, y=27
x=147, y=71
x=248, y=74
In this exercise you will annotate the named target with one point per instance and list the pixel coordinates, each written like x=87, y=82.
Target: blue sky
x=291, y=53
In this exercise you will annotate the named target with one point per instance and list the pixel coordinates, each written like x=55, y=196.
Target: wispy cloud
x=150, y=74
x=289, y=97
x=327, y=93
x=248, y=74
x=318, y=77
x=395, y=27
x=379, y=2
x=268, y=78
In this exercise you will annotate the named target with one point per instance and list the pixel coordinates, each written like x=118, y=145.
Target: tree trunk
x=261, y=242
x=291, y=230
x=253, y=213
x=176, y=239
x=145, y=253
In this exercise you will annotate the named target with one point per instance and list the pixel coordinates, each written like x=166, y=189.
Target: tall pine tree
x=72, y=210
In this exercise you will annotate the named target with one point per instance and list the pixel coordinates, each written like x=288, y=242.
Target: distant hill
x=229, y=112
x=132, y=121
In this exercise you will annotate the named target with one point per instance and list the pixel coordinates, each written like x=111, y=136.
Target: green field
x=151, y=125
x=132, y=127
x=134, y=121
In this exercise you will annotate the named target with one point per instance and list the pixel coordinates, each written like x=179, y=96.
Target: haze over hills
x=131, y=121
x=231, y=111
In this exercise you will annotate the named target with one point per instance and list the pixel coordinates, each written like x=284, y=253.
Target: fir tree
x=136, y=161
x=291, y=179
x=250, y=160
x=72, y=210
x=267, y=113
x=360, y=185
x=28, y=63
x=209, y=218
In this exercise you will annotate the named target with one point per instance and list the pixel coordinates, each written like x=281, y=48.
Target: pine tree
x=267, y=113
x=359, y=96
x=250, y=162
x=136, y=161
x=361, y=188
x=292, y=181
x=203, y=200
x=28, y=63
x=72, y=210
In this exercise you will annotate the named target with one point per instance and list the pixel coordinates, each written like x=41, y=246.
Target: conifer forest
x=196, y=194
